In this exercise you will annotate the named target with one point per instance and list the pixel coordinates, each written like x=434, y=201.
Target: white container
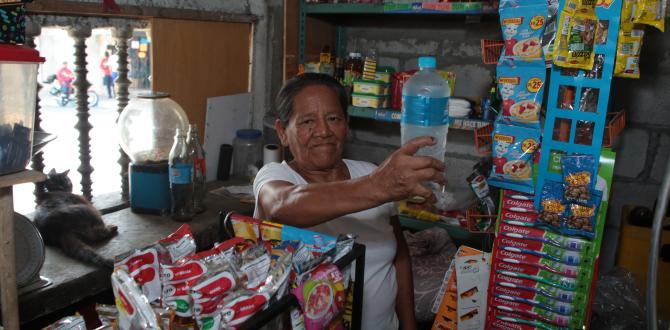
x=18, y=83
x=425, y=108
x=247, y=153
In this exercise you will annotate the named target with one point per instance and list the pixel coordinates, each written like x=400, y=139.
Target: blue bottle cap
x=427, y=62
x=248, y=134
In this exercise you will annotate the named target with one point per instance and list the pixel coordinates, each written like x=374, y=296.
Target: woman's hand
x=401, y=174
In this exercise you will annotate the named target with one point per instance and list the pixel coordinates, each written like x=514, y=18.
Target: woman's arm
x=403, y=267
x=399, y=177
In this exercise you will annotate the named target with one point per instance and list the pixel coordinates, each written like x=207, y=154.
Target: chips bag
x=580, y=219
x=650, y=12
x=577, y=35
x=552, y=205
x=513, y=154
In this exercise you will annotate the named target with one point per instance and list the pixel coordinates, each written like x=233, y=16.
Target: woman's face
x=316, y=130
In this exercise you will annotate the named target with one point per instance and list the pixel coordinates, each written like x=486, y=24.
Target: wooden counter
x=74, y=281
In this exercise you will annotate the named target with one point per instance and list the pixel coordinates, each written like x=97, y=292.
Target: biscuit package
x=576, y=35
x=523, y=28
x=521, y=86
x=513, y=154
x=578, y=177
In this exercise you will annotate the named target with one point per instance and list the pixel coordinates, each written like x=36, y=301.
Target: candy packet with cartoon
x=581, y=218
x=513, y=153
x=650, y=12
x=578, y=177
x=552, y=205
x=521, y=86
x=576, y=36
x=522, y=24
x=321, y=297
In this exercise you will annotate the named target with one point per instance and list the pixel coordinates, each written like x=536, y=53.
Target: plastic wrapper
x=523, y=23
x=578, y=177
x=321, y=297
x=143, y=266
x=521, y=86
x=177, y=245
x=576, y=35
x=135, y=312
x=650, y=12
x=68, y=323
x=580, y=219
x=618, y=303
x=545, y=236
x=514, y=149
x=552, y=205
x=239, y=306
x=629, y=43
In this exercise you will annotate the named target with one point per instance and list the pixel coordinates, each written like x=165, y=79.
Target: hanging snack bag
x=143, y=266
x=522, y=24
x=513, y=152
x=581, y=218
x=552, y=206
x=650, y=12
x=321, y=297
x=550, y=30
x=629, y=43
x=578, y=177
x=521, y=87
x=576, y=35
x=134, y=309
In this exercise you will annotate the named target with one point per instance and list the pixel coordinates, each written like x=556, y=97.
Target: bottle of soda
x=197, y=153
x=181, y=179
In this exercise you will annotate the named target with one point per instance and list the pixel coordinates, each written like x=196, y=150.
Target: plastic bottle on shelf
x=197, y=153
x=425, y=108
x=181, y=179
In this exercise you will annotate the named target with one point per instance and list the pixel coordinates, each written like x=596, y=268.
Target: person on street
x=107, y=80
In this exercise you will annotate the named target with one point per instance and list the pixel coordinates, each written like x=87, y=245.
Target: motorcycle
x=63, y=99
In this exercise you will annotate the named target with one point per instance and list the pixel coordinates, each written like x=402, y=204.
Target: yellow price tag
x=529, y=145
x=537, y=22
x=534, y=85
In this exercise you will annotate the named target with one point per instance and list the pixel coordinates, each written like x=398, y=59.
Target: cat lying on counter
x=71, y=222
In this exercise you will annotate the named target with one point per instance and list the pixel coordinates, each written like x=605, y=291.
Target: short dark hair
x=286, y=95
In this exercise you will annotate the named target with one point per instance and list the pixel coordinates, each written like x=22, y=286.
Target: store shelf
x=390, y=115
x=442, y=8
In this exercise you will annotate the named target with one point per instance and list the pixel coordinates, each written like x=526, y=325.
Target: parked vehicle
x=63, y=99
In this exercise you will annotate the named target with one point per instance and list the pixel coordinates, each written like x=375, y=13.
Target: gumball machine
x=147, y=129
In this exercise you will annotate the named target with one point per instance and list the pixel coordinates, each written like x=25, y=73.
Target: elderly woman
x=320, y=190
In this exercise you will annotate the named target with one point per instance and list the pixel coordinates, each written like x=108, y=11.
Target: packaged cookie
x=521, y=86
x=522, y=23
x=580, y=219
x=513, y=153
x=576, y=35
x=578, y=177
x=552, y=205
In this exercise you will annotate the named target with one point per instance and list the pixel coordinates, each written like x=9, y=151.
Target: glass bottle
x=181, y=179
x=197, y=153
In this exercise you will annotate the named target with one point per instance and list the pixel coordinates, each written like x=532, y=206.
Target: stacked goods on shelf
x=225, y=286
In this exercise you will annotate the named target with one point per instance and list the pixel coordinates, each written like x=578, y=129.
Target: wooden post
x=122, y=35
x=33, y=30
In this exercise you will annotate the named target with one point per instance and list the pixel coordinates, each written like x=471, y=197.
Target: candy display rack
x=564, y=116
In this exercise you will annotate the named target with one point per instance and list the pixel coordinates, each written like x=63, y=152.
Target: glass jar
x=247, y=153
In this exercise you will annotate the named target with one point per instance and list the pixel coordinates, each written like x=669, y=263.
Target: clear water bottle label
x=425, y=111
x=181, y=173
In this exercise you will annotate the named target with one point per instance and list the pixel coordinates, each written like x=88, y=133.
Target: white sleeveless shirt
x=373, y=228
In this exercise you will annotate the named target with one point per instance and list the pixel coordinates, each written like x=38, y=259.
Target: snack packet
x=522, y=23
x=142, y=265
x=134, y=309
x=550, y=29
x=552, y=206
x=321, y=297
x=513, y=154
x=239, y=306
x=650, y=12
x=176, y=246
x=578, y=177
x=576, y=37
x=581, y=218
x=629, y=43
x=521, y=87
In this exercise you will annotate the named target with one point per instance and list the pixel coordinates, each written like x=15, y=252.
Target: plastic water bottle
x=425, y=108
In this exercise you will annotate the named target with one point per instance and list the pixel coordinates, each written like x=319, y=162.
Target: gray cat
x=71, y=222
